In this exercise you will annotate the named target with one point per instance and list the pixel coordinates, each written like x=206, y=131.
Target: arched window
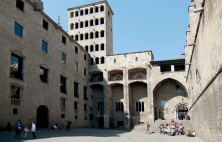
x=92, y=61
x=97, y=22
x=97, y=47
x=81, y=37
x=102, y=60
x=136, y=58
x=97, y=60
x=97, y=34
x=72, y=26
x=102, y=46
x=72, y=36
x=71, y=14
x=91, y=48
x=91, y=22
x=96, y=9
x=102, y=34
x=101, y=8
x=114, y=60
x=91, y=10
x=81, y=24
x=86, y=48
x=86, y=36
x=91, y=35
x=77, y=25
x=81, y=12
x=101, y=20
x=76, y=37
x=86, y=23
x=86, y=11
x=77, y=13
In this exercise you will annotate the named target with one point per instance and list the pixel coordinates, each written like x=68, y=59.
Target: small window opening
x=86, y=11
x=72, y=26
x=96, y=22
x=92, y=61
x=77, y=25
x=81, y=12
x=97, y=60
x=63, y=85
x=136, y=58
x=63, y=58
x=86, y=23
x=102, y=21
x=77, y=13
x=91, y=48
x=85, y=57
x=44, y=75
x=86, y=36
x=85, y=93
x=71, y=14
x=81, y=37
x=86, y=48
x=81, y=24
x=91, y=10
x=91, y=35
x=76, y=37
x=101, y=8
x=44, y=46
x=76, y=105
x=15, y=92
x=97, y=47
x=16, y=67
x=15, y=111
x=76, y=89
x=76, y=50
x=85, y=71
x=102, y=60
x=45, y=24
x=91, y=22
x=179, y=67
x=165, y=68
x=20, y=5
x=96, y=9
x=97, y=34
x=18, y=30
x=64, y=39
x=102, y=33
x=100, y=106
x=62, y=115
x=91, y=117
x=102, y=46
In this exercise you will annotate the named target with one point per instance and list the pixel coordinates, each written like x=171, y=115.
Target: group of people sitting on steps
x=171, y=129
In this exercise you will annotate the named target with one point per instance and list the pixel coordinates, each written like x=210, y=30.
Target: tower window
x=77, y=25
x=91, y=22
x=97, y=22
x=101, y=8
x=81, y=12
x=44, y=46
x=85, y=57
x=81, y=24
x=96, y=9
x=86, y=23
x=102, y=60
x=91, y=61
x=20, y=5
x=91, y=35
x=102, y=46
x=86, y=48
x=91, y=10
x=81, y=37
x=77, y=13
x=72, y=26
x=86, y=36
x=97, y=60
x=86, y=11
x=91, y=48
x=76, y=37
x=76, y=50
x=45, y=24
x=102, y=34
x=97, y=47
x=64, y=39
x=102, y=21
x=97, y=34
x=71, y=14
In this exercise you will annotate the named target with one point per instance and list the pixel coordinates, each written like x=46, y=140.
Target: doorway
x=42, y=117
x=101, y=122
x=182, y=112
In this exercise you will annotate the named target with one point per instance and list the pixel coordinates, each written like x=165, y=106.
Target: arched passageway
x=42, y=117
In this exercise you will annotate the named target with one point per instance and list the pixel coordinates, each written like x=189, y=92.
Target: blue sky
x=138, y=25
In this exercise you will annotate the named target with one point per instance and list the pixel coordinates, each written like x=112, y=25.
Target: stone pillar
x=126, y=100
x=172, y=67
x=106, y=102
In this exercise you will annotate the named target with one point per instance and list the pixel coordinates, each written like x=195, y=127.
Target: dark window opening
x=81, y=24
x=101, y=8
x=77, y=66
x=63, y=103
x=86, y=12
x=139, y=106
x=179, y=67
x=136, y=58
x=81, y=12
x=165, y=68
x=86, y=23
x=91, y=22
x=87, y=49
x=85, y=93
x=16, y=67
x=102, y=46
x=120, y=123
x=45, y=24
x=72, y=36
x=15, y=92
x=77, y=37
x=114, y=60
x=109, y=14
x=85, y=118
x=96, y=9
x=92, y=61
x=15, y=111
x=20, y=5
x=97, y=60
x=102, y=60
x=100, y=106
x=71, y=14
x=72, y=26
x=62, y=115
x=102, y=33
x=102, y=21
x=86, y=36
x=90, y=108
x=77, y=13
x=119, y=106
x=91, y=116
x=76, y=117
x=18, y=30
x=81, y=37
x=63, y=39
x=43, y=75
x=76, y=50
x=96, y=22
x=85, y=72
x=91, y=10
x=77, y=25
x=75, y=105
x=63, y=58
x=92, y=97
x=91, y=35
x=143, y=106
x=76, y=89
x=97, y=47
x=63, y=85
x=85, y=106
x=85, y=57
x=91, y=48
x=97, y=34
x=44, y=46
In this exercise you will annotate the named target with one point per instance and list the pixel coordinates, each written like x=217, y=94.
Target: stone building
x=50, y=76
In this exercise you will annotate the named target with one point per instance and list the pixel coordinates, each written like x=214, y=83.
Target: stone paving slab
x=94, y=135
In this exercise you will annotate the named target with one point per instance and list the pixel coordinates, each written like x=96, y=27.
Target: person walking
x=33, y=129
x=148, y=129
x=18, y=128
x=26, y=130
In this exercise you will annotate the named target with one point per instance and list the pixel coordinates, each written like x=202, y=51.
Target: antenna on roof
x=58, y=22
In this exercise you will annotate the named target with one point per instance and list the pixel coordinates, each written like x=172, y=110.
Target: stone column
x=106, y=102
x=172, y=67
x=126, y=100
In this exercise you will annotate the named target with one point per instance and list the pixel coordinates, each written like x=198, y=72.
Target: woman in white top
x=33, y=129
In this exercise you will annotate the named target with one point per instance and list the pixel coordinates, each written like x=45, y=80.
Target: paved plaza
x=94, y=135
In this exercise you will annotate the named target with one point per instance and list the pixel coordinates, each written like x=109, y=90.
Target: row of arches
x=102, y=47
x=92, y=22
x=87, y=11
x=96, y=61
x=89, y=35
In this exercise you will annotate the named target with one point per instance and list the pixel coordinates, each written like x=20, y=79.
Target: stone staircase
x=141, y=128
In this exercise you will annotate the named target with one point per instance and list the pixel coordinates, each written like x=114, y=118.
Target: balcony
x=115, y=75
x=137, y=74
x=138, y=77
x=118, y=78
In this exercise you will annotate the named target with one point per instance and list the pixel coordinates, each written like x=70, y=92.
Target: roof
x=91, y=4
x=131, y=53
x=169, y=62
